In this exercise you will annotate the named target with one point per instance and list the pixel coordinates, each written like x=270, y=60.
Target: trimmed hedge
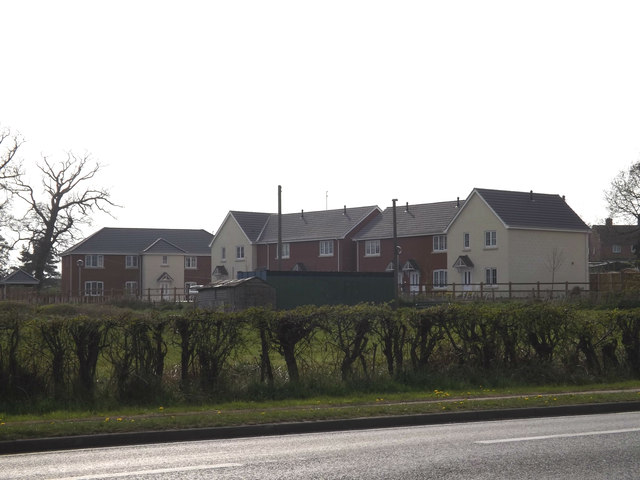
x=81, y=353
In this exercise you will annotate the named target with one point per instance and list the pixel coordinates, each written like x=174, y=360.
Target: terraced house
x=319, y=241
x=158, y=264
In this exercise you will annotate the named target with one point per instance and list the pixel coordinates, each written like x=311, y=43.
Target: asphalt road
x=570, y=447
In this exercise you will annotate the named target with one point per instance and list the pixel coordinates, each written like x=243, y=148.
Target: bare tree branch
x=67, y=201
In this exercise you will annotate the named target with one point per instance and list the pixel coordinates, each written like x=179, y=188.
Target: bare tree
x=53, y=217
x=553, y=262
x=10, y=170
x=623, y=198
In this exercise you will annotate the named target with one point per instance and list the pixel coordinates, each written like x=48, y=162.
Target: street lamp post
x=80, y=264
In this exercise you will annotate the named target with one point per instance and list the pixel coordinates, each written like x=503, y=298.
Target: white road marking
x=560, y=435
x=98, y=476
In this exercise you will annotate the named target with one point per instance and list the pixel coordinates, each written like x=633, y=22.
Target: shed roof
x=19, y=277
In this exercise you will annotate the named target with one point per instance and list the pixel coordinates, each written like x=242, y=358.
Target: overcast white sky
x=196, y=108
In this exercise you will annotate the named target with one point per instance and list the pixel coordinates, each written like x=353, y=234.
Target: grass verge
x=159, y=417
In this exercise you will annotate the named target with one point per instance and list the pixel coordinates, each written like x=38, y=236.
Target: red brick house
x=141, y=262
x=613, y=246
x=421, y=240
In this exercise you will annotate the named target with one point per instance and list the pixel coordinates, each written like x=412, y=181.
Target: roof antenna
x=326, y=200
x=531, y=195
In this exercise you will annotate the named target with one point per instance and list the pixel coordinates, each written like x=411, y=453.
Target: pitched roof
x=411, y=221
x=531, y=210
x=162, y=246
x=318, y=225
x=133, y=241
x=251, y=223
x=19, y=277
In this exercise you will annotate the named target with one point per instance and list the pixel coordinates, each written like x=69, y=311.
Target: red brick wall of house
x=419, y=249
x=114, y=274
x=307, y=253
x=344, y=257
x=202, y=274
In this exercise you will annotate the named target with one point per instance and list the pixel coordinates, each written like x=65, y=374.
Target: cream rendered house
x=233, y=249
x=500, y=237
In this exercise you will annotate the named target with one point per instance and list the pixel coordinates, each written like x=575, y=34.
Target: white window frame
x=191, y=262
x=372, y=248
x=490, y=239
x=616, y=249
x=438, y=277
x=240, y=252
x=286, y=250
x=94, y=261
x=165, y=260
x=131, y=287
x=326, y=248
x=131, y=261
x=466, y=277
x=93, y=288
x=491, y=276
x=466, y=241
x=439, y=243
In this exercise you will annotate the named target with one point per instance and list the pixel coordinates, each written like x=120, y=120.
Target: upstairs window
x=372, y=248
x=223, y=254
x=439, y=243
x=326, y=248
x=466, y=241
x=285, y=248
x=616, y=249
x=131, y=261
x=94, y=261
x=240, y=252
x=165, y=260
x=191, y=262
x=490, y=239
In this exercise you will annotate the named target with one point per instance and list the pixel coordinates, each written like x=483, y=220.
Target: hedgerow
x=84, y=354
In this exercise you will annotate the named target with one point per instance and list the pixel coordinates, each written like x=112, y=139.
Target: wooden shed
x=17, y=282
x=235, y=295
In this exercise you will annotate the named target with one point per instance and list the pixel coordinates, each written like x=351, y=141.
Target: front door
x=414, y=282
x=466, y=280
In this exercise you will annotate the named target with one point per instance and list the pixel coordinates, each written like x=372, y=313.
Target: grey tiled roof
x=411, y=221
x=19, y=277
x=252, y=223
x=318, y=225
x=132, y=241
x=532, y=210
